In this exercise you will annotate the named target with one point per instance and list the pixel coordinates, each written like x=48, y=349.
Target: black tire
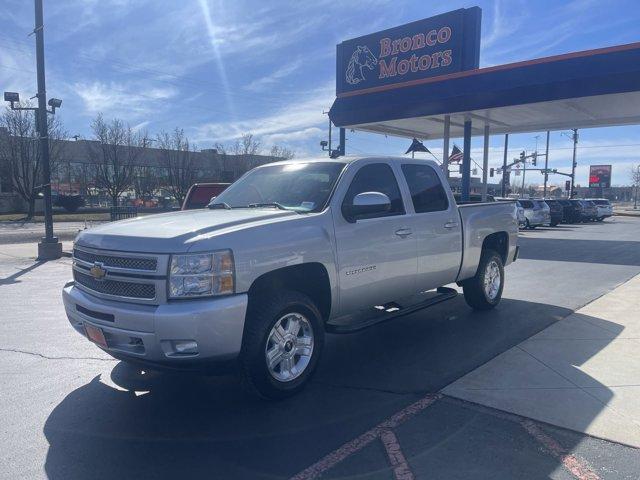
x=262, y=315
x=527, y=225
x=473, y=288
x=554, y=224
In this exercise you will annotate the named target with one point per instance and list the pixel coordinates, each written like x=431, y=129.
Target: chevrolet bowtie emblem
x=97, y=271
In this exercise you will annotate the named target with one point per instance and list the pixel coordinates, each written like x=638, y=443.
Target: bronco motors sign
x=434, y=46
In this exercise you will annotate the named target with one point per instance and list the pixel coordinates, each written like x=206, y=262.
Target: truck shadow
x=151, y=425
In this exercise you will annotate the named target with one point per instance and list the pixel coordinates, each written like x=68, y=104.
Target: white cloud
x=282, y=72
x=296, y=116
x=121, y=99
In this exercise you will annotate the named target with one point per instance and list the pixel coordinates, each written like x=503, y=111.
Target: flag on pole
x=417, y=146
x=456, y=155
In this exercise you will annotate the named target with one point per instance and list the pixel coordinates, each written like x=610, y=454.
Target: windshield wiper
x=268, y=204
x=219, y=205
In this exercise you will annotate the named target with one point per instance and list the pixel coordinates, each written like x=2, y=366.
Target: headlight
x=201, y=274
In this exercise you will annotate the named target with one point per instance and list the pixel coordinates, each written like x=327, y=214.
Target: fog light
x=185, y=347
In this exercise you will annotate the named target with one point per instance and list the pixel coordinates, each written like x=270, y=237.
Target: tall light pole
x=504, y=166
x=574, y=163
x=49, y=248
x=546, y=167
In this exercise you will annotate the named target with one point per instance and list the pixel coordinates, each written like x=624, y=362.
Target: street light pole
x=49, y=248
x=574, y=163
x=546, y=167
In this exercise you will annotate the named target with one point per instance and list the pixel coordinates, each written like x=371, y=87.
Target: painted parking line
x=401, y=469
x=358, y=443
x=575, y=465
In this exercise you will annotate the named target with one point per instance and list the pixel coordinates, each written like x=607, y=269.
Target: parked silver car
x=536, y=213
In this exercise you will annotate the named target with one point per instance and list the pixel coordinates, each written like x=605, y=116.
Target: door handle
x=404, y=232
x=451, y=224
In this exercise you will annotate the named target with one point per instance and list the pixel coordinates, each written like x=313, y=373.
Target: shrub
x=71, y=203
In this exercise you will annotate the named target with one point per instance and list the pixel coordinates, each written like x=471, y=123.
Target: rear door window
x=427, y=192
x=526, y=203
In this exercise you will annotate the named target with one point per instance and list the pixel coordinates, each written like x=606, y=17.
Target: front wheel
x=282, y=343
x=484, y=290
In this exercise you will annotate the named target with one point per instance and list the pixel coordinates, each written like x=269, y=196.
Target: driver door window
x=376, y=177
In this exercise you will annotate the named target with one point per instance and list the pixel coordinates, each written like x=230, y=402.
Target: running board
x=442, y=294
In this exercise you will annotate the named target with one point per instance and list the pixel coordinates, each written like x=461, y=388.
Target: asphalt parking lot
x=373, y=410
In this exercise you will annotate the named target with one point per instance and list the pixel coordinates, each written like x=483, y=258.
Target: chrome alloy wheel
x=289, y=347
x=492, y=280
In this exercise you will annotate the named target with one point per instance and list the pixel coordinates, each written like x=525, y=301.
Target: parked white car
x=289, y=251
x=604, y=208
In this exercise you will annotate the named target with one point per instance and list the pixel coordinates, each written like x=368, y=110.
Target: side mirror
x=367, y=204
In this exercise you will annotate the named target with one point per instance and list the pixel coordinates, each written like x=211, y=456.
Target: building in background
x=74, y=172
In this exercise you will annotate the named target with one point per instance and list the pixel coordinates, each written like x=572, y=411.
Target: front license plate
x=96, y=335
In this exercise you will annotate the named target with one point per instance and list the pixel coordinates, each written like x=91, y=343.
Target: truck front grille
x=117, y=288
x=131, y=263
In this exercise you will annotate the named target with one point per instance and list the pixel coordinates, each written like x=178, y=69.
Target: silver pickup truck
x=288, y=252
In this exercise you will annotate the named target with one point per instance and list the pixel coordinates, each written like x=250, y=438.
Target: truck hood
x=171, y=232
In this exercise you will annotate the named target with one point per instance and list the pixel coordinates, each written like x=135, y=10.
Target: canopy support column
x=466, y=162
x=485, y=163
x=445, y=149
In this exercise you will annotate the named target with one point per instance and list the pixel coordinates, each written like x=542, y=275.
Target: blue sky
x=222, y=68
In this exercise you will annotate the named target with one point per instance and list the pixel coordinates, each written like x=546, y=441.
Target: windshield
x=303, y=187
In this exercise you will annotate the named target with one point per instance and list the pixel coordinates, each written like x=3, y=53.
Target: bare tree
x=246, y=145
x=281, y=152
x=146, y=181
x=179, y=162
x=115, y=153
x=21, y=153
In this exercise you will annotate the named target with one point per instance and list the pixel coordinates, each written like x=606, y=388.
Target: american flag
x=456, y=155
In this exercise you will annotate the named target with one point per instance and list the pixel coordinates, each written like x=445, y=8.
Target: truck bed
x=479, y=220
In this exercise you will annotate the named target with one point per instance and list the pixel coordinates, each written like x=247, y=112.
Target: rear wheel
x=282, y=342
x=484, y=290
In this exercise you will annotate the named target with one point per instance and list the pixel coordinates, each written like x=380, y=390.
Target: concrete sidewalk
x=581, y=373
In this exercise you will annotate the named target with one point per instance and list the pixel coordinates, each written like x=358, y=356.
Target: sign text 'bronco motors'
x=434, y=46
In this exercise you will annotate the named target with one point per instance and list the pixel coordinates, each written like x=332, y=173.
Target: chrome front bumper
x=148, y=333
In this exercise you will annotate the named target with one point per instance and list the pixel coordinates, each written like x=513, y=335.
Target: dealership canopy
x=577, y=90
x=422, y=80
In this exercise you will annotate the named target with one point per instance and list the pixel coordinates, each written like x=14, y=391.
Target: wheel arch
x=498, y=242
x=310, y=278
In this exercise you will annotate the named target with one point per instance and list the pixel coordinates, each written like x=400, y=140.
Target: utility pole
x=504, y=166
x=546, y=167
x=49, y=248
x=574, y=163
x=524, y=172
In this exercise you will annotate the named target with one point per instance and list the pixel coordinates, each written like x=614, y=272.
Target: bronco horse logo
x=362, y=57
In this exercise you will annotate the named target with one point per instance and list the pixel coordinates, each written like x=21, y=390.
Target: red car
x=200, y=194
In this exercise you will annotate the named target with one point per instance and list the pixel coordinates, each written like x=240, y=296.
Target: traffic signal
x=523, y=156
x=492, y=171
x=534, y=158
x=567, y=185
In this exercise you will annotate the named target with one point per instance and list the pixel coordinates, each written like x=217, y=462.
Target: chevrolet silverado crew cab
x=288, y=252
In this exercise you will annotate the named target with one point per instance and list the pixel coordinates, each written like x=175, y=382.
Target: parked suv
x=536, y=213
x=570, y=211
x=603, y=207
x=556, y=211
x=587, y=209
